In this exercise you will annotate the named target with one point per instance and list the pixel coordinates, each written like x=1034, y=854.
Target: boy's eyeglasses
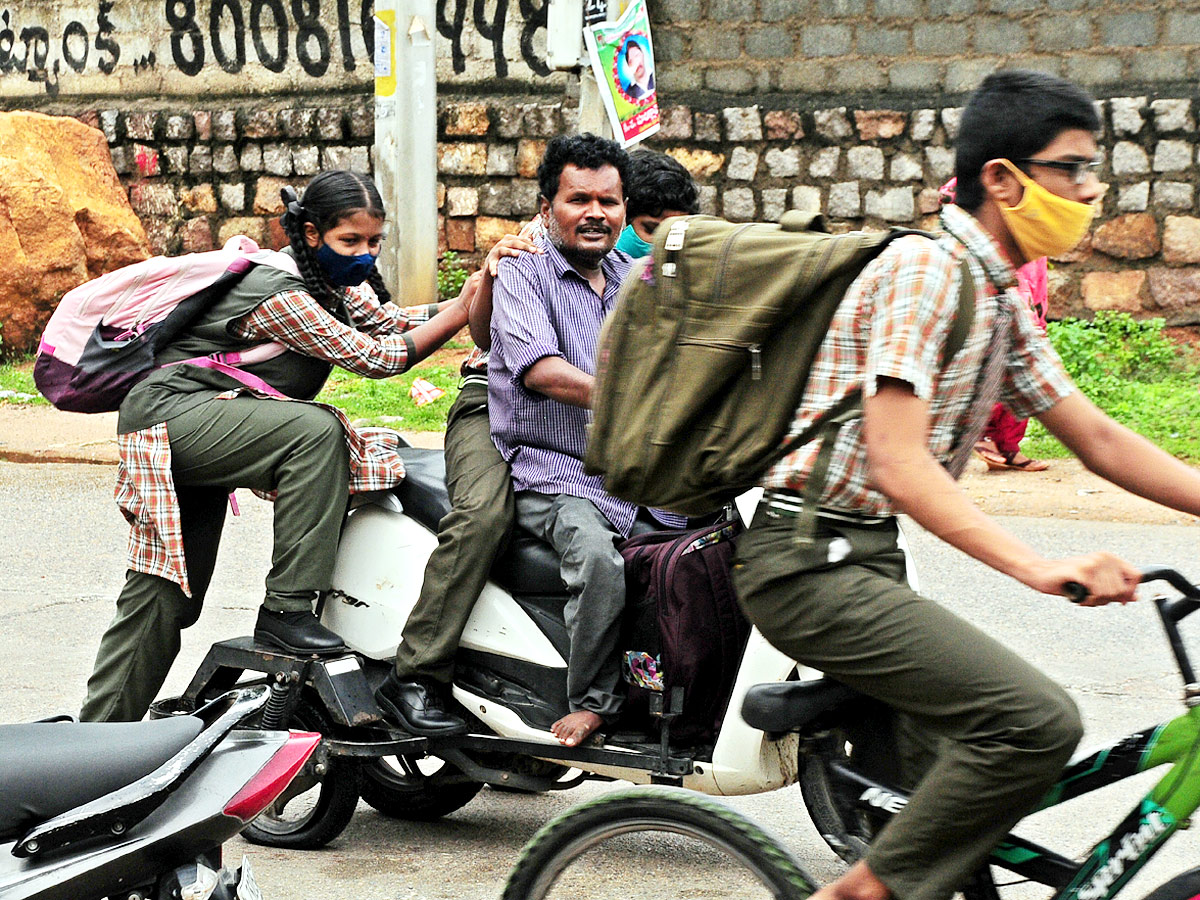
x=1077, y=169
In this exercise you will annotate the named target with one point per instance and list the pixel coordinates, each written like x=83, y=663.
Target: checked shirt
x=893, y=323
x=373, y=345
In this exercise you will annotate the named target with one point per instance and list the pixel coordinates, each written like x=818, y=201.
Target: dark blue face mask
x=342, y=270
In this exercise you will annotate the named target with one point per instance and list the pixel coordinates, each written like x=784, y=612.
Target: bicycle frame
x=1163, y=810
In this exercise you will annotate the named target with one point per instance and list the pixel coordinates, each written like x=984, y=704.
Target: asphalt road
x=62, y=561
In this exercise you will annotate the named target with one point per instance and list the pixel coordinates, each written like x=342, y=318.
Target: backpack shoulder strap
x=964, y=316
x=849, y=407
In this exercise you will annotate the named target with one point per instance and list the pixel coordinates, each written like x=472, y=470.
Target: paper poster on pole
x=622, y=58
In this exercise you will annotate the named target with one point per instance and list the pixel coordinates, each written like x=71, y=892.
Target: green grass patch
x=16, y=384
x=387, y=401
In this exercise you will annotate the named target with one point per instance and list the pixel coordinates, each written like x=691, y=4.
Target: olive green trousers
x=470, y=537
x=999, y=731
x=296, y=449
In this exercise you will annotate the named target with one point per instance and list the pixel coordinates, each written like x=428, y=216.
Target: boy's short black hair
x=658, y=182
x=585, y=151
x=1012, y=115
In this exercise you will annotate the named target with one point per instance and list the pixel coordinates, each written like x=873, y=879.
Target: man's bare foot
x=859, y=883
x=575, y=728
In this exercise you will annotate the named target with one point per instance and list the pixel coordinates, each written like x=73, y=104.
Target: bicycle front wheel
x=674, y=839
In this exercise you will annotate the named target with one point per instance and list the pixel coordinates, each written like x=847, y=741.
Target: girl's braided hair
x=329, y=198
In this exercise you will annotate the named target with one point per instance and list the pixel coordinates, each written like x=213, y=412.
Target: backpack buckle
x=675, y=235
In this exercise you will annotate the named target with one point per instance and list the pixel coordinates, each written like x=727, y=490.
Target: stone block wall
x=198, y=176
x=865, y=167
x=209, y=106
x=918, y=46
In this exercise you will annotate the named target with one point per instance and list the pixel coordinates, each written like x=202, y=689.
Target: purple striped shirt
x=541, y=307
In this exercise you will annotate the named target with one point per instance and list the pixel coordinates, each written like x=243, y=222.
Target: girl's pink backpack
x=105, y=335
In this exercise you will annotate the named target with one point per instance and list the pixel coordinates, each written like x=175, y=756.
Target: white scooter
x=510, y=676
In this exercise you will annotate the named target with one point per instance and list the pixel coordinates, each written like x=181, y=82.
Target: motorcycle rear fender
x=188, y=825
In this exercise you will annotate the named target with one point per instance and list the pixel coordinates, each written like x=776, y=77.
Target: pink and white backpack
x=105, y=335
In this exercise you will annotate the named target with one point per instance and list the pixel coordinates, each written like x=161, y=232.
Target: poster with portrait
x=622, y=58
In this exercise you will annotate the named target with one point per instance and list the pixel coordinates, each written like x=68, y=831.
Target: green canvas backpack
x=701, y=366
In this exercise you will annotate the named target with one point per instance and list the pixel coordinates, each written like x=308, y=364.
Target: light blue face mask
x=631, y=242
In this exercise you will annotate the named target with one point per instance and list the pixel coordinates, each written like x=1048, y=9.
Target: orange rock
x=460, y=235
x=489, y=229
x=64, y=218
x=701, y=163
x=877, y=124
x=529, y=157
x=467, y=118
x=1123, y=291
x=1181, y=240
x=1132, y=236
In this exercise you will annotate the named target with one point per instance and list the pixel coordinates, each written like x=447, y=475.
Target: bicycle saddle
x=785, y=706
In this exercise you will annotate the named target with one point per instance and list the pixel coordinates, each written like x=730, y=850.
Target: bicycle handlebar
x=1077, y=593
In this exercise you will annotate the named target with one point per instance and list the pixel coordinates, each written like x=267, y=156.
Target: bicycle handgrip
x=1076, y=592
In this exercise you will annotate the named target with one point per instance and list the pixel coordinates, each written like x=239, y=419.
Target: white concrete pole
x=406, y=146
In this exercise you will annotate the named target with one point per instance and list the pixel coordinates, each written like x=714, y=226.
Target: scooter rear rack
x=342, y=686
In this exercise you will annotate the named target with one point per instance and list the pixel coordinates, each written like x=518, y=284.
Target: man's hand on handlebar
x=1104, y=577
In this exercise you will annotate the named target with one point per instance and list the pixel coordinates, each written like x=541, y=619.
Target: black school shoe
x=297, y=632
x=418, y=707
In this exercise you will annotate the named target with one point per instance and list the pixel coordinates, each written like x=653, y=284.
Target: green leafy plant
x=1114, y=347
x=451, y=276
x=1132, y=370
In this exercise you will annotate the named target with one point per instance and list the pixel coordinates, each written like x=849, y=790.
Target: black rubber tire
x=567, y=837
x=320, y=818
x=1185, y=886
x=398, y=788
x=842, y=827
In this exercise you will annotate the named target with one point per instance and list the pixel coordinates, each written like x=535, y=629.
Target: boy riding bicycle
x=990, y=732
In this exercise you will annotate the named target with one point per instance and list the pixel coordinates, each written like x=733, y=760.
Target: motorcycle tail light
x=271, y=780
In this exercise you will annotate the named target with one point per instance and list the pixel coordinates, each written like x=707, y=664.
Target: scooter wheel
x=418, y=789
x=570, y=854
x=316, y=807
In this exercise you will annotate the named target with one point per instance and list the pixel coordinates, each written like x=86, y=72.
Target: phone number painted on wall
x=274, y=30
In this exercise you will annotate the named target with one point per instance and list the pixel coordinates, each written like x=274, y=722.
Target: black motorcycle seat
x=528, y=566
x=47, y=768
x=785, y=706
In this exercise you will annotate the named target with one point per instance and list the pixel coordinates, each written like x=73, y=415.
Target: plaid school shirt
x=893, y=323
x=373, y=345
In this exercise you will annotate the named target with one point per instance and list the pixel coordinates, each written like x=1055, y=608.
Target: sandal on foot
x=1008, y=461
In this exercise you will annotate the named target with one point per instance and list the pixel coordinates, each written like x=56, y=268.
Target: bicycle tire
x=567, y=837
x=1184, y=886
x=847, y=830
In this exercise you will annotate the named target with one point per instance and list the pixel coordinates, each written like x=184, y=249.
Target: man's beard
x=582, y=258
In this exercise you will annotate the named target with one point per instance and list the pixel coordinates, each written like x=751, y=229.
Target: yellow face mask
x=1043, y=223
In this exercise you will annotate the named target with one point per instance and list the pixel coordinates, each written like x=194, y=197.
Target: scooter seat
x=528, y=566
x=785, y=706
x=47, y=768
x=423, y=490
